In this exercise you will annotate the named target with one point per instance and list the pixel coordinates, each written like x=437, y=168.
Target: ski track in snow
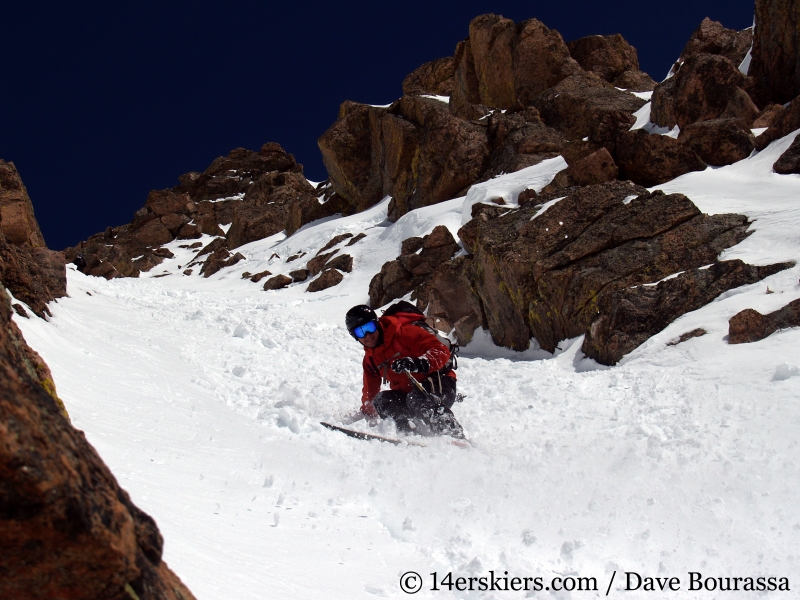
x=204, y=397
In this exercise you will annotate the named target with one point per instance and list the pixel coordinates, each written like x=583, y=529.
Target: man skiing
x=396, y=349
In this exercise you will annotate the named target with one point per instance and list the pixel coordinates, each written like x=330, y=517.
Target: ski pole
x=418, y=385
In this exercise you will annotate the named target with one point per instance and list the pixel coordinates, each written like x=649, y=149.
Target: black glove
x=413, y=365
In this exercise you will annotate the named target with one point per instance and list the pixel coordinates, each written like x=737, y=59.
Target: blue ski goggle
x=362, y=330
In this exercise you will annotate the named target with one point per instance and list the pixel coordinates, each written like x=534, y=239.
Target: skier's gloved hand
x=369, y=410
x=413, y=365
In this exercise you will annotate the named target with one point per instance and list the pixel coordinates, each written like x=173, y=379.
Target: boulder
x=719, y=141
x=586, y=106
x=17, y=221
x=219, y=259
x=789, y=161
x=596, y=168
x=786, y=121
x=740, y=106
x=607, y=56
x=653, y=159
x=277, y=282
x=630, y=316
x=316, y=264
x=751, y=326
x=394, y=281
x=328, y=278
x=519, y=139
x=258, y=276
x=712, y=38
x=775, y=64
x=434, y=77
x=767, y=116
x=635, y=81
x=68, y=529
x=343, y=262
x=700, y=90
x=300, y=275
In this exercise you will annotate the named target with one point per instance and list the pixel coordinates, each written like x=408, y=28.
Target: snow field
x=204, y=397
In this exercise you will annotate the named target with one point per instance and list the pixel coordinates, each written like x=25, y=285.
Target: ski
x=363, y=435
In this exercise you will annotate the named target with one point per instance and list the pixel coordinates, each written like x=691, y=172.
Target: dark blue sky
x=102, y=102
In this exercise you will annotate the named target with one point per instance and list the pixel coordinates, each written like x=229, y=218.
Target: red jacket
x=400, y=339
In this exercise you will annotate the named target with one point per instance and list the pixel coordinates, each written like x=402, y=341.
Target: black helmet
x=359, y=315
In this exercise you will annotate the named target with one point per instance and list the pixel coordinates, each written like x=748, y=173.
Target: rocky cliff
x=68, y=529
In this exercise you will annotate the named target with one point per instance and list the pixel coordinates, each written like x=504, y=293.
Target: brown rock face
x=266, y=206
x=519, y=139
x=785, y=122
x=652, y=159
x=416, y=151
x=607, y=56
x=701, y=90
x=719, y=141
x=68, y=529
x=789, y=162
x=595, y=168
x=434, y=78
x=465, y=81
x=586, y=106
x=630, y=316
x=410, y=270
x=775, y=65
x=712, y=38
x=502, y=64
x=635, y=81
x=751, y=326
x=31, y=272
x=19, y=225
x=547, y=277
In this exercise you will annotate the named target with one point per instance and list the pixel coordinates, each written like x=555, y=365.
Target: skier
x=393, y=347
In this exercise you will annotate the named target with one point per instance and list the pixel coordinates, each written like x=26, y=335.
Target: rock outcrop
x=719, y=142
x=415, y=151
x=434, y=78
x=699, y=91
x=613, y=59
x=653, y=159
x=31, y=272
x=712, y=38
x=256, y=194
x=775, y=64
x=418, y=258
x=628, y=317
x=789, y=161
x=68, y=529
x=545, y=275
x=751, y=326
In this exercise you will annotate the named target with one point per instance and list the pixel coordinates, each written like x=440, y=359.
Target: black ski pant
x=402, y=406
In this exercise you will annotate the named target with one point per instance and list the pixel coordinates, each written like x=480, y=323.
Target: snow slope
x=204, y=397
